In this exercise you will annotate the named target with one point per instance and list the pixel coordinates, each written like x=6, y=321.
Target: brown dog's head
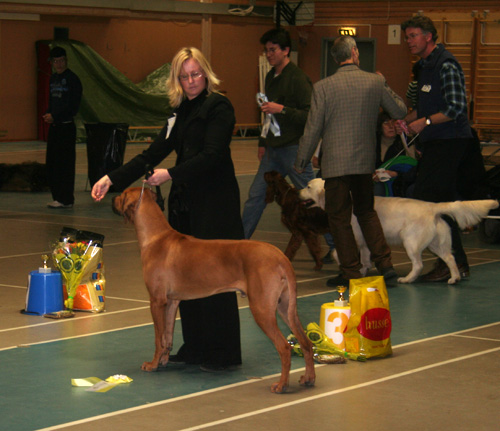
x=127, y=203
x=278, y=188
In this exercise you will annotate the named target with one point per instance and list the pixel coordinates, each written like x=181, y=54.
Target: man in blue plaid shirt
x=440, y=117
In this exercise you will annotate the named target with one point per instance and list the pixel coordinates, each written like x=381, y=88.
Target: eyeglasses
x=412, y=36
x=193, y=75
x=271, y=50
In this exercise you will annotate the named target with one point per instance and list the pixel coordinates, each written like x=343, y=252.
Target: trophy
x=44, y=269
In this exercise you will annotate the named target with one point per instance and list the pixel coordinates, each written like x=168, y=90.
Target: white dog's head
x=314, y=194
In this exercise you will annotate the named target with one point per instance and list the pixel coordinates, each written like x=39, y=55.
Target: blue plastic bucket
x=45, y=293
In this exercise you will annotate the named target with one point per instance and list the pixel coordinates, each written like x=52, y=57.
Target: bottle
x=334, y=318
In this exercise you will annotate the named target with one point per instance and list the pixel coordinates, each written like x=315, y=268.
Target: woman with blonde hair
x=175, y=91
x=204, y=199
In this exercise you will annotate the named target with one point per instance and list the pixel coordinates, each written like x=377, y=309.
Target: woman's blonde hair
x=175, y=92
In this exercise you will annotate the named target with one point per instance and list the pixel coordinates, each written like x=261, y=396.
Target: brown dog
x=304, y=223
x=256, y=269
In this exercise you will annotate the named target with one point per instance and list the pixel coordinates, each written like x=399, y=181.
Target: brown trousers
x=354, y=194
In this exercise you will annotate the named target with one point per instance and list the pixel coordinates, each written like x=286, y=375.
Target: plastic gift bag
x=369, y=328
x=78, y=255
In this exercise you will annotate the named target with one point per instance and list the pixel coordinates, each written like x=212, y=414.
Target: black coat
x=204, y=199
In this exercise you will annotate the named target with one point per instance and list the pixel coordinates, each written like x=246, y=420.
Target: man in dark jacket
x=440, y=117
x=64, y=102
x=288, y=91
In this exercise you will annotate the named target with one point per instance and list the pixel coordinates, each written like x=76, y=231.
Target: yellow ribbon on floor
x=88, y=381
x=95, y=384
x=119, y=378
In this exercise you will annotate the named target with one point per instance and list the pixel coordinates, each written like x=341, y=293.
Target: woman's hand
x=381, y=175
x=48, y=118
x=101, y=188
x=159, y=177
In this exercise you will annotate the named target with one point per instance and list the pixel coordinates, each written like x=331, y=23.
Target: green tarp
x=109, y=96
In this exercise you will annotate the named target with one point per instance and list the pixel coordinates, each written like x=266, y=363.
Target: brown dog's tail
x=287, y=306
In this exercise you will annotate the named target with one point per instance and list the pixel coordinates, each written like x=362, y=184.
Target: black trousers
x=211, y=330
x=210, y=326
x=437, y=181
x=60, y=161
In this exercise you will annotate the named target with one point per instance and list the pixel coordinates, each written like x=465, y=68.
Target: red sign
x=376, y=324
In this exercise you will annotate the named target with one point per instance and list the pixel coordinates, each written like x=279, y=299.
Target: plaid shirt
x=453, y=88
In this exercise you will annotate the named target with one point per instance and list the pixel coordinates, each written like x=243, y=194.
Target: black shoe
x=327, y=258
x=212, y=368
x=185, y=356
x=57, y=205
x=176, y=359
x=390, y=276
x=339, y=280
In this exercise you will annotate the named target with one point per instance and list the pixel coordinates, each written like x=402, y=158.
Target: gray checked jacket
x=343, y=117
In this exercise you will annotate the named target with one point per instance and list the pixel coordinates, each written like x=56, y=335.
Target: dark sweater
x=65, y=96
x=293, y=89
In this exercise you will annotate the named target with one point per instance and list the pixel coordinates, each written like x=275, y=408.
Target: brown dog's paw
x=306, y=381
x=278, y=388
x=149, y=367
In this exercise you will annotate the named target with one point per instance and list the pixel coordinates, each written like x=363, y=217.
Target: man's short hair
x=342, y=48
x=57, y=52
x=422, y=22
x=278, y=36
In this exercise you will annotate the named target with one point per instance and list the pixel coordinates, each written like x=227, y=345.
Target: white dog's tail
x=467, y=213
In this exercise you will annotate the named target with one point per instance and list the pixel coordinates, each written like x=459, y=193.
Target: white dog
x=415, y=224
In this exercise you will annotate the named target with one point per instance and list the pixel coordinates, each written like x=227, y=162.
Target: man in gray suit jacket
x=344, y=111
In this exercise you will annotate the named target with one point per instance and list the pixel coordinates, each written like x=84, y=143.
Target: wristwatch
x=428, y=121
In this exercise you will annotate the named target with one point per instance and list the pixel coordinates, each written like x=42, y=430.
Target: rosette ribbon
x=270, y=122
x=321, y=345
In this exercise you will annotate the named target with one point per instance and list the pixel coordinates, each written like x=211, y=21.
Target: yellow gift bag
x=369, y=328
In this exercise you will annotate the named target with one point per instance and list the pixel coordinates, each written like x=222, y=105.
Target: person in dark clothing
x=64, y=102
x=398, y=167
x=440, y=118
x=472, y=182
x=288, y=92
x=204, y=199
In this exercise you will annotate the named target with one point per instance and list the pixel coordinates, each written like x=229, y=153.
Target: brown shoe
x=441, y=272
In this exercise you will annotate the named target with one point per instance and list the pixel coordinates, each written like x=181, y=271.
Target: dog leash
x=160, y=200
x=408, y=145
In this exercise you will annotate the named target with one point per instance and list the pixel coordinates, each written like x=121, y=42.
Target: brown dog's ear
x=129, y=213
x=270, y=179
x=269, y=193
x=129, y=199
